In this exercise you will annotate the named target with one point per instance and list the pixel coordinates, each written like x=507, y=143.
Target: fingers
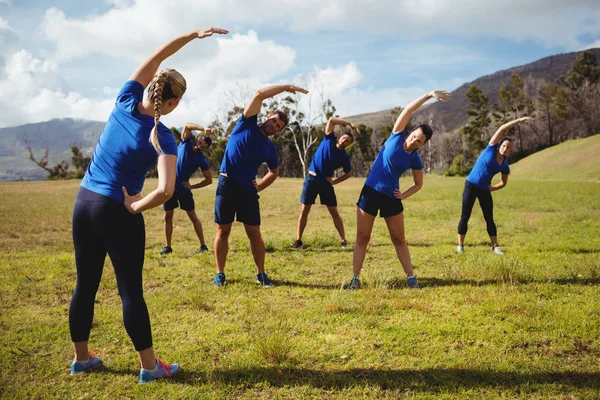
x=218, y=30
x=124, y=191
x=295, y=89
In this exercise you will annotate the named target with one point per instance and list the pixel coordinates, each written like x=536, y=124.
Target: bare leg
x=222, y=246
x=81, y=351
x=337, y=221
x=303, y=219
x=396, y=228
x=461, y=239
x=364, y=227
x=257, y=245
x=494, y=240
x=169, y=226
x=147, y=358
x=197, y=225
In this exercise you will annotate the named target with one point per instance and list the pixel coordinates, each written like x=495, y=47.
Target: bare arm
x=253, y=107
x=166, y=166
x=404, y=116
x=416, y=186
x=333, y=121
x=207, y=181
x=500, y=132
x=341, y=178
x=188, y=128
x=148, y=68
x=267, y=179
x=500, y=185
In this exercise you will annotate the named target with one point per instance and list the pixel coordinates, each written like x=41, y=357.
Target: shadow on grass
x=426, y=380
x=308, y=285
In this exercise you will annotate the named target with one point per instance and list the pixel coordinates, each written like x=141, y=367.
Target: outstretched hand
x=440, y=95
x=129, y=200
x=209, y=132
x=354, y=127
x=293, y=89
x=524, y=120
x=203, y=33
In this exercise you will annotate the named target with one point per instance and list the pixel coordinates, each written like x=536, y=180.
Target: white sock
x=151, y=370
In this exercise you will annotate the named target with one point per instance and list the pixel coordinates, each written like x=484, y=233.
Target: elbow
x=166, y=192
x=208, y=181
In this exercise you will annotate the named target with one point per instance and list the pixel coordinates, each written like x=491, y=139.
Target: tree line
x=565, y=109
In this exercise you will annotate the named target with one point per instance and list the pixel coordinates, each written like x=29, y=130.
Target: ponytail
x=156, y=95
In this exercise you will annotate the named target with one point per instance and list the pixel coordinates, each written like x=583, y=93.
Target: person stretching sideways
x=189, y=159
x=237, y=191
x=478, y=184
x=330, y=155
x=381, y=191
x=108, y=220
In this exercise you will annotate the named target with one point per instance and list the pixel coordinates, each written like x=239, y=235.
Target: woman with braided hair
x=107, y=215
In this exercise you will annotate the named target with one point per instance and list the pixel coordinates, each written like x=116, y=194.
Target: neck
x=146, y=107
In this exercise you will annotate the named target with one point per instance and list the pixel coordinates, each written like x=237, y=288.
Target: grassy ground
x=526, y=324
x=575, y=160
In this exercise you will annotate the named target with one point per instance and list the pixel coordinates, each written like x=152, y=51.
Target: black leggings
x=471, y=193
x=102, y=225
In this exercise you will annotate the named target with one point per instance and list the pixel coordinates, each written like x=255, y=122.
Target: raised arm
x=404, y=116
x=500, y=132
x=333, y=121
x=253, y=107
x=148, y=68
x=189, y=128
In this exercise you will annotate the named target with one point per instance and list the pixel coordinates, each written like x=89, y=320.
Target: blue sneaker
x=264, y=280
x=412, y=283
x=92, y=362
x=354, y=283
x=219, y=280
x=163, y=370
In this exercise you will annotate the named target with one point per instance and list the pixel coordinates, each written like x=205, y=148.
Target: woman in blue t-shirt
x=478, y=184
x=107, y=215
x=381, y=192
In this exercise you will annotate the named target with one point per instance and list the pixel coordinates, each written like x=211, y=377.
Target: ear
x=174, y=102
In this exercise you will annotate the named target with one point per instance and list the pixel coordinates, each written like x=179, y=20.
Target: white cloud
x=4, y=25
x=5, y=2
x=118, y=3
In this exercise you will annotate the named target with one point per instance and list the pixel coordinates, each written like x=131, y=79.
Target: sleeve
x=244, y=123
x=273, y=158
x=166, y=140
x=505, y=168
x=130, y=94
x=346, y=164
x=204, y=165
x=415, y=162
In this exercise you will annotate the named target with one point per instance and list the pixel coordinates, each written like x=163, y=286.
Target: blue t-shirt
x=391, y=162
x=124, y=153
x=328, y=158
x=188, y=161
x=486, y=167
x=246, y=150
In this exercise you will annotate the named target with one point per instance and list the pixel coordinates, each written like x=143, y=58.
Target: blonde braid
x=156, y=92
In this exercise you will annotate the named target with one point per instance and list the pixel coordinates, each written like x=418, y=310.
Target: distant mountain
x=58, y=135
x=451, y=114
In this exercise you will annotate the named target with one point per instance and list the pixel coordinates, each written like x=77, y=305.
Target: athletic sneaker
x=460, y=249
x=203, y=249
x=166, y=250
x=412, y=283
x=219, y=280
x=82, y=366
x=354, y=283
x=298, y=244
x=162, y=370
x=344, y=243
x=497, y=250
x=264, y=280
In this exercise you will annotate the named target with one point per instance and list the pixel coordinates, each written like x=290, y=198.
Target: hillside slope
x=573, y=160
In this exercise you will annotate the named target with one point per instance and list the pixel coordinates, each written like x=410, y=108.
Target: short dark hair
x=208, y=140
x=505, y=139
x=427, y=131
x=282, y=116
x=349, y=134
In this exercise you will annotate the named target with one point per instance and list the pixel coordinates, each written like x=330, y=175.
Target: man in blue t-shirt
x=381, y=192
x=330, y=155
x=189, y=159
x=478, y=184
x=237, y=197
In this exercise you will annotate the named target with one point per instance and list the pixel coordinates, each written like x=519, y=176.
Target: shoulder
x=130, y=94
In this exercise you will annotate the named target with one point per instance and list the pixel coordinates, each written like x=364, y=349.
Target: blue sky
x=68, y=58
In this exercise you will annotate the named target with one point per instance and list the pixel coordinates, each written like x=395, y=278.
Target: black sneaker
x=166, y=250
x=203, y=249
x=354, y=283
x=264, y=280
x=344, y=243
x=298, y=244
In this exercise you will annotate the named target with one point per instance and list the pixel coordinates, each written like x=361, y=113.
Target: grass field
x=526, y=324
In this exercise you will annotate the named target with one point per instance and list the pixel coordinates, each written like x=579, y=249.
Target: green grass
x=573, y=160
x=483, y=326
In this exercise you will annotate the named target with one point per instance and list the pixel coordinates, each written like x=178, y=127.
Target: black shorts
x=235, y=201
x=312, y=187
x=371, y=200
x=183, y=199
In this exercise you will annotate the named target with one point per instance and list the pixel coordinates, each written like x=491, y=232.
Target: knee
x=398, y=240
x=362, y=238
x=253, y=234
x=334, y=212
x=304, y=211
x=223, y=234
x=169, y=217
